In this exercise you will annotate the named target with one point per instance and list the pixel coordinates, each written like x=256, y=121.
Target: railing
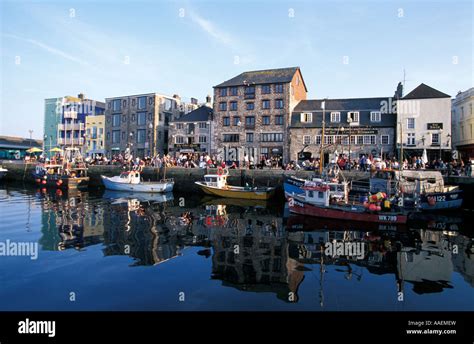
x=71, y=141
x=74, y=126
x=70, y=114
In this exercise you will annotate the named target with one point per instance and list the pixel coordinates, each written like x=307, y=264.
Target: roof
x=363, y=105
x=347, y=104
x=19, y=142
x=424, y=92
x=267, y=76
x=201, y=114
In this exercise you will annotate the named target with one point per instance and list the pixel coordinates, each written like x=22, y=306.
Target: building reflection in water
x=251, y=248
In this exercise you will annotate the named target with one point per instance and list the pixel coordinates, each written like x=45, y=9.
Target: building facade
x=463, y=124
x=252, y=113
x=140, y=123
x=424, y=122
x=95, y=135
x=72, y=129
x=192, y=132
x=14, y=148
x=358, y=126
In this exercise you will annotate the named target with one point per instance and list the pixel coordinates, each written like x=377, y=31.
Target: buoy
x=60, y=181
x=44, y=181
x=366, y=204
x=372, y=207
x=38, y=180
x=220, y=171
x=379, y=208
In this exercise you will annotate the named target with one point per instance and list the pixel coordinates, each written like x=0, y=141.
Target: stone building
x=191, y=133
x=140, y=122
x=252, y=113
x=463, y=124
x=424, y=122
x=369, y=122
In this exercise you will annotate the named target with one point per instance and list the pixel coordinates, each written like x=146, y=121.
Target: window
x=123, y=135
x=410, y=123
x=375, y=116
x=116, y=105
x=223, y=92
x=279, y=88
x=353, y=140
x=265, y=104
x=234, y=91
x=233, y=106
x=108, y=136
x=335, y=117
x=236, y=120
x=266, y=89
x=353, y=117
x=306, y=139
x=202, y=139
x=306, y=117
x=179, y=140
x=179, y=126
x=231, y=138
x=250, y=121
x=249, y=92
x=249, y=137
x=410, y=139
x=250, y=106
x=278, y=103
x=272, y=137
x=223, y=106
x=328, y=139
x=384, y=139
x=311, y=193
x=141, y=103
x=279, y=120
x=116, y=120
x=265, y=120
x=202, y=125
x=317, y=140
x=435, y=139
x=225, y=121
x=116, y=136
x=360, y=139
x=141, y=117
x=369, y=139
x=141, y=135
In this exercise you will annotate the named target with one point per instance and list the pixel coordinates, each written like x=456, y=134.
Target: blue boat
x=448, y=199
x=293, y=186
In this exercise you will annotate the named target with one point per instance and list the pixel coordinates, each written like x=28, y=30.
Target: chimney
x=177, y=97
x=194, y=101
x=399, y=91
x=208, y=99
x=80, y=96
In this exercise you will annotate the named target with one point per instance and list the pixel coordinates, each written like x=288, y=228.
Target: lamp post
x=151, y=136
x=349, y=122
x=440, y=143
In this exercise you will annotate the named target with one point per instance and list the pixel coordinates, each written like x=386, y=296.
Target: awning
x=115, y=149
x=96, y=151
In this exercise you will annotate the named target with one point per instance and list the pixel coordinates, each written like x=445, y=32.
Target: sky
x=106, y=48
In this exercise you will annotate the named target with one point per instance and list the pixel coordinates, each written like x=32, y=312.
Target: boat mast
x=321, y=149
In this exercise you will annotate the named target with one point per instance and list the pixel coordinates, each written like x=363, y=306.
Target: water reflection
x=253, y=248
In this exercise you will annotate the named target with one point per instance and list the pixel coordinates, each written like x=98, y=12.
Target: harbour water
x=102, y=250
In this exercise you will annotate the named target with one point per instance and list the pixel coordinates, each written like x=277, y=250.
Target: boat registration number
x=387, y=218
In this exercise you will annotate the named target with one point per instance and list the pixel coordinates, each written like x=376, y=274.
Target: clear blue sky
x=170, y=51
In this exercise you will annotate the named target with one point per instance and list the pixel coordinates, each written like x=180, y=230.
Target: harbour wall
x=185, y=177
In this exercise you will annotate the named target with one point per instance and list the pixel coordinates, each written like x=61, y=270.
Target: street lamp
x=151, y=136
x=440, y=143
x=349, y=122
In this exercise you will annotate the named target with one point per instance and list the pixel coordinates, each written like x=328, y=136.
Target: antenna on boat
x=321, y=149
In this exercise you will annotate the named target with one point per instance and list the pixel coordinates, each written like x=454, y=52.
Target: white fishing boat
x=132, y=181
x=3, y=172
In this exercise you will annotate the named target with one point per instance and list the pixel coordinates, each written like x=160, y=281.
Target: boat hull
x=345, y=213
x=234, y=192
x=62, y=182
x=293, y=186
x=441, y=200
x=149, y=187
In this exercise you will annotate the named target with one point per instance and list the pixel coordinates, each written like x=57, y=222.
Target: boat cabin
x=324, y=194
x=130, y=177
x=389, y=181
x=216, y=180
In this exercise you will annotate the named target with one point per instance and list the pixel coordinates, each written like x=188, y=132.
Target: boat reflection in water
x=252, y=249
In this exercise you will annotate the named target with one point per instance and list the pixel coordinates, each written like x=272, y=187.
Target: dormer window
x=375, y=116
x=353, y=117
x=335, y=117
x=306, y=117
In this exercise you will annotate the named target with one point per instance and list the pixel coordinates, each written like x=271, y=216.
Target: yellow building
x=463, y=124
x=95, y=137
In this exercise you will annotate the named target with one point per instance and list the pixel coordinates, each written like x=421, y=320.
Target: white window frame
x=355, y=116
x=176, y=140
x=411, y=139
x=408, y=123
x=202, y=139
x=375, y=116
x=317, y=139
x=306, y=117
x=381, y=139
x=433, y=142
x=335, y=117
x=307, y=137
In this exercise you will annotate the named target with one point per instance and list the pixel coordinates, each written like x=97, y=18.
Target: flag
x=323, y=105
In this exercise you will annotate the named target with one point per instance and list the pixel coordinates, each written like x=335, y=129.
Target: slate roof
x=201, y=114
x=363, y=105
x=15, y=142
x=425, y=92
x=267, y=76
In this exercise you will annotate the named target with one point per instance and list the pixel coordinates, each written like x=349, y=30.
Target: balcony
x=74, y=126
x=70, y=114
x=68, y=141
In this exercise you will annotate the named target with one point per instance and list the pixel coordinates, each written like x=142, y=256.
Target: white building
x=424, y=122
x=463, y=124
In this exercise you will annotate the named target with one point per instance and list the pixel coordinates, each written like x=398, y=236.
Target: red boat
x=319, y=201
